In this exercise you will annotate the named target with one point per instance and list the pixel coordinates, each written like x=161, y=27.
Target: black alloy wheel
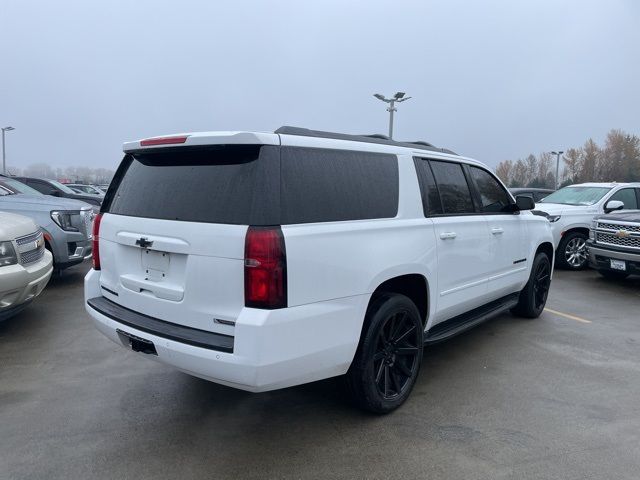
x=396, y=359
x=387, y=361
x=533, y=297
x=541, y=284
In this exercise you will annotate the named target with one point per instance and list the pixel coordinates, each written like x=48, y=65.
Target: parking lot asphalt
x=557, y=397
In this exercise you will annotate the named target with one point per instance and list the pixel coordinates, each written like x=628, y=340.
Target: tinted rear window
x=235, y=184
x=255, y=185
x=321, y=185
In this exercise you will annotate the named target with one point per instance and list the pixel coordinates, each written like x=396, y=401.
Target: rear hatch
x=172, y=234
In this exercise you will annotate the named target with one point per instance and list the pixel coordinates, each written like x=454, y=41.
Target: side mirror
x=613, y=205
x=524, y=202
x=54, y=193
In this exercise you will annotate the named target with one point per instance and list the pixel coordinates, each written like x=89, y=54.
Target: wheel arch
x=49, y=245
x=576, y=228
x=546, y=248
x=414, y=285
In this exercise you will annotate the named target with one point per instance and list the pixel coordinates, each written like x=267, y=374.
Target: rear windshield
x=61, y=186
x=255, y=185
x=235, y=184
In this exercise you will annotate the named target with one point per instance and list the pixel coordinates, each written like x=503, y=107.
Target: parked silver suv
x=65, y=223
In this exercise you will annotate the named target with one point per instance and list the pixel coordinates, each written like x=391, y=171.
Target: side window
x=40, y=186
x=322, y=185
x=453, y=187
x=428, y=190
x=626, y=196
x=493, y=196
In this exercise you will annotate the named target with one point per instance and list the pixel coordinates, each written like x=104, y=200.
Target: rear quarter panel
x=342, y=259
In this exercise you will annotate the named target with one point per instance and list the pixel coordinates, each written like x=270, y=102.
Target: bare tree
x=504, y=170
x=618, y=160
x=74, y=174
x=39, y=170
x=591, y=156
x=519, y=176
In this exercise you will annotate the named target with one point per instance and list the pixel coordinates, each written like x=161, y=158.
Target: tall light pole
x=4, y=163
x=557, y=154
x=398, y=97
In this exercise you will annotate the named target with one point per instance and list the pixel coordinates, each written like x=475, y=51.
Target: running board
x=470, y=319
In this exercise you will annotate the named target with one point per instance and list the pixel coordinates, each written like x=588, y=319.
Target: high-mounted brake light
x=95, y=242
x=265, y=268
x=149, y=142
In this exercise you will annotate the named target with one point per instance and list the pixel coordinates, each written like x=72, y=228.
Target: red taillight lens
x=265, y=268
x=95, y=242
x=149, y=142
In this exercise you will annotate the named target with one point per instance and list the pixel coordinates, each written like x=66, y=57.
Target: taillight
x=149, y=142
x=95, y=242
x=265, y=268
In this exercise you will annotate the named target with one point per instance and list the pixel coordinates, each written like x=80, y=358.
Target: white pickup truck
x=571, y=210
x=25, y=265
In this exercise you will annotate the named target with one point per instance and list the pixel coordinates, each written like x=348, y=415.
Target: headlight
x=592, y=230
x=553, y=218
x=63, y=220
x=7, y=254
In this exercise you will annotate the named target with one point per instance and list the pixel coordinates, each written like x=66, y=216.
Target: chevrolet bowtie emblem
x=622, y=234
x=142, y=242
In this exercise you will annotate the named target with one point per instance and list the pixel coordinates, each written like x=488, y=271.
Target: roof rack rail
x=377, y=135
x=375, y=138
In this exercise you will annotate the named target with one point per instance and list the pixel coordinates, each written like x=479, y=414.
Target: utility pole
x=557, y=154
x=4, y=160
x=398, y=97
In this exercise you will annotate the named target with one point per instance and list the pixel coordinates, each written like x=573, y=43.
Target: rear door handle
x=446, y=235
x=497, y=230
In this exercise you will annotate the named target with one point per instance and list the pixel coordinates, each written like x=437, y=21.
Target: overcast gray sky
x=493, y=80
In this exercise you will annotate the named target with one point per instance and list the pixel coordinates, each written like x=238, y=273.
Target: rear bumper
x=599, y=258
x=19, y=285
x=270, y=349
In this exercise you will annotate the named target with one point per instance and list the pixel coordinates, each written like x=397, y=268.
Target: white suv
x=571, y=210
x=265, y=260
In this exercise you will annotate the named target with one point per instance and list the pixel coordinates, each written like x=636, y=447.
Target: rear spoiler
x=204, y=138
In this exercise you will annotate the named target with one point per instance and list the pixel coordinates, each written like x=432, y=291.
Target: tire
x=572, y=252
x=608, y=274
x=533, y=296
x=387, y=362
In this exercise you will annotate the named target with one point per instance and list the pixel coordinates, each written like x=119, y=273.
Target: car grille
x=615, y=228
x=612, y=239
x=30, y=247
